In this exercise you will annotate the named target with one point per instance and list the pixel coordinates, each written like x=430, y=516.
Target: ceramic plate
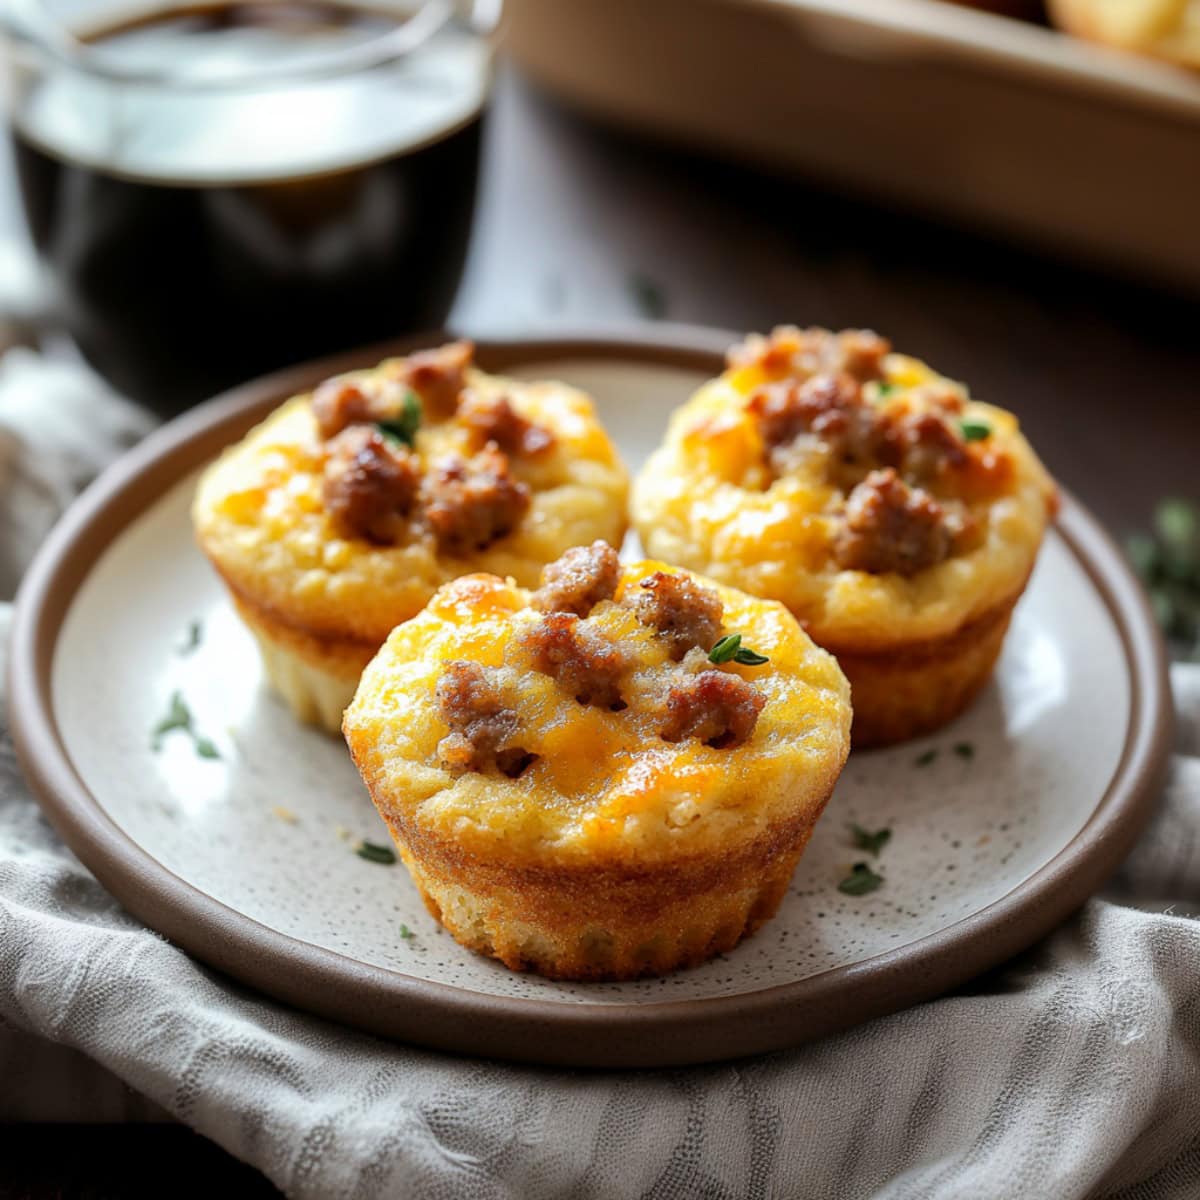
x=1002, y=824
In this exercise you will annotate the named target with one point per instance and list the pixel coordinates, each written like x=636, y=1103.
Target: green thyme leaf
x=974, y=431
x=750, y=658
x=649, y=297
x=923, y=760
x=403, y=427
x=964, y=749
x=194, y=637
x=860, y=881
x=726, y=649
x=730, y=649
x=373, y=852
x=406, y=933
x=864, y=839
x=178, y=716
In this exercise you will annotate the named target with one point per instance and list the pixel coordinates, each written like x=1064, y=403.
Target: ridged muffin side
x=607, y=922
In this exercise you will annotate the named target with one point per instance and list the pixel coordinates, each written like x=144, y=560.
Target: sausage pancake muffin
x=895, y=516
x=345, y=510
x=610, y=776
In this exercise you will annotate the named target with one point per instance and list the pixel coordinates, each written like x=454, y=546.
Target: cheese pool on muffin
x=609, y=776
x=898, y=518
x=342, y=513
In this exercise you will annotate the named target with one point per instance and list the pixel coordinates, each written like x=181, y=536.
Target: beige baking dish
x=974, y=117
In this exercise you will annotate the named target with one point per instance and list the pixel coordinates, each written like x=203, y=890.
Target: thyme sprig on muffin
x=404, y=425
x=730, y=649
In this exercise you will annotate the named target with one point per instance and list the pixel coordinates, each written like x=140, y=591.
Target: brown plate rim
x=449, y=1017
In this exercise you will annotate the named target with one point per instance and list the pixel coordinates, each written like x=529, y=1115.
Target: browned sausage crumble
x=684, y=612
x=858, y=353
x=370, y=488
x=370, y=484
x=883, y=458
x=579, y=580
x=580, y=660
x=480, y=722
x=793, y=414
x=437, y=376
x=689, y=699
x=339, y=402
x=719, y=708
x=492, y=418
x=343, y=401
x=830, y=410
x=472, y=502
x=892, y=527
x=921, y=446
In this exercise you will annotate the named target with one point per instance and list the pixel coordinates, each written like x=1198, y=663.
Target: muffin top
x=618, y=713
x=345, y=509
x=872, y=496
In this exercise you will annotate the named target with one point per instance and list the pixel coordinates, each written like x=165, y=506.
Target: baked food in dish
x=895, y=516
x=342, y=513
x=575, y=787
x=1167, y=29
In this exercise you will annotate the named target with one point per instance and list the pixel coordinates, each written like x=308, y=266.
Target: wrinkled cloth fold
x=1073, y=1071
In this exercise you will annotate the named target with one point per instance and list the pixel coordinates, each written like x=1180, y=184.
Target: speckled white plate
x=1001, y=824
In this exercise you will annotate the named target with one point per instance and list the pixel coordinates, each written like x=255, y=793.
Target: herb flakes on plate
x=860, y=881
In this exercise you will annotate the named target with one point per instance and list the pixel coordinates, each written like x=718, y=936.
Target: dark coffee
x=199, y=236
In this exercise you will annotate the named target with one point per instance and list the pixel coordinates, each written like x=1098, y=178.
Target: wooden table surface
x=576, y=225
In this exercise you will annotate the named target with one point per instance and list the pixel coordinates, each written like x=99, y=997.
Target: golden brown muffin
x=586, y=780
x=345, y=510
x=895, y=516
x=1166, y=29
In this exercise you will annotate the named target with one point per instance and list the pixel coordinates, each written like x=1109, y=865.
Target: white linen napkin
x=1074, y=1071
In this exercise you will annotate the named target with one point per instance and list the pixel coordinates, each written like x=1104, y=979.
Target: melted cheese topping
x=605, y=785
x=707, y=499
x=260, y=516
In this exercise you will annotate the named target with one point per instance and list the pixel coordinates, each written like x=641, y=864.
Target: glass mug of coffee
x=223, y=188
